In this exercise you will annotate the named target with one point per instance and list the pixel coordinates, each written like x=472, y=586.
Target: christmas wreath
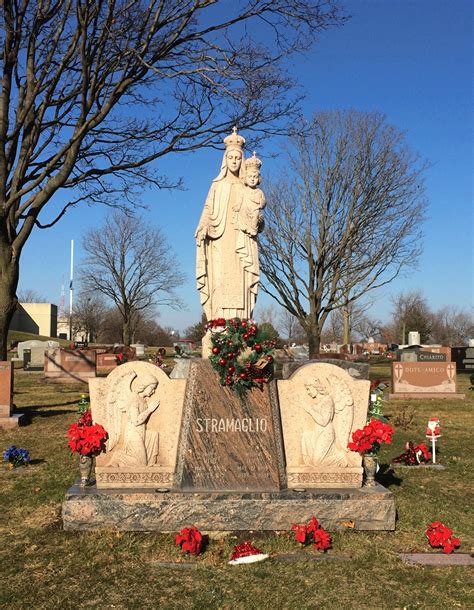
x=241, y=353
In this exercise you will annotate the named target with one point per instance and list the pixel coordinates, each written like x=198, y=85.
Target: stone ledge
x=8, y=423
x=143, y=510
x=422, y=395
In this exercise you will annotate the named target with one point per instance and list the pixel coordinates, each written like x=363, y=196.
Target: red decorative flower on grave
x=413, y=454
x=312, y=531
x=85, y=437
x=121, y=358
x=370, y=437
x=440, y=535
x=190, y=540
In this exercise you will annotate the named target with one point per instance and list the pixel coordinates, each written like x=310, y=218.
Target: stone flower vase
x=85, y=469
x=369, y=463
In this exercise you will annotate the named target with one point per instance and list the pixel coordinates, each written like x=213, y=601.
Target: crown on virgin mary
x=234, y=140
x=253, y=162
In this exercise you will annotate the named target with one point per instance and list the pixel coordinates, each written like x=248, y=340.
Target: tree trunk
x=9, y=274
x=347, y=333
x=314, y=342
x=126, y=332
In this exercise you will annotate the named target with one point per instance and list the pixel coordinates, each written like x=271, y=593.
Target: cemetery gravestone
x=216, y=458
x=139, y=349
x=69, y=365
x=8, y=420
x=424, y=380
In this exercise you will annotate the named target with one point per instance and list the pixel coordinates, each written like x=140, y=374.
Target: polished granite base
x=88, y=508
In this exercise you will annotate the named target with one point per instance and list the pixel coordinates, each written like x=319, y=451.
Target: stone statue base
x=141, y=510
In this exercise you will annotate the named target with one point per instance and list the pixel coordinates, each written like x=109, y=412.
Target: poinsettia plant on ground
x=190, y=540
x=312, y=532
x=440, y=535
x=85, y=437
x=413, y=454
x=369, y=439
x=241, y=353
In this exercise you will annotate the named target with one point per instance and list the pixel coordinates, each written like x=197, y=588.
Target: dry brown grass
x=45, y=567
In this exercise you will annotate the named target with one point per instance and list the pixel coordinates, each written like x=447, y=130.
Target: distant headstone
x=421, y=355
x=34, y=343
x=139, y=349
x=299, y=352
x=7, y=419
x=66, y=365
x=105, y=361
x=471, y=343
x=36, y=362
x=413, y=338
x=424, y=380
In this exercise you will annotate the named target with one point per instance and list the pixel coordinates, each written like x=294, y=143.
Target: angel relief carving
x=332, y=409
x=130, y=403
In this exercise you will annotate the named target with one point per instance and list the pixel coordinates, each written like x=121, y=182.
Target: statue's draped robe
x=227, y=270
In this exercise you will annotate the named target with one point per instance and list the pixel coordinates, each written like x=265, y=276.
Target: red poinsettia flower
x=322, y=540
x=300, y=532
x=439, y=535
x=371, y=436
x=304, y=533
x=190, y=539
x=87, y=439
x=86, y=419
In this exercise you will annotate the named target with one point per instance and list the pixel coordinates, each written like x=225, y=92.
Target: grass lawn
x=44, y=567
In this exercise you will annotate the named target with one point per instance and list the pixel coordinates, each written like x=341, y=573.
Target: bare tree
x=452, y=326
x=30, y=296
x=89, y=314
x=289, y=327
x=94, y=91
x=411, y=312
x=344, y=220
x=131, y=265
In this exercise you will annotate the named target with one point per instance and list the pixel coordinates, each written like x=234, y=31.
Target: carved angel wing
x=117, y=399
x=344, y=409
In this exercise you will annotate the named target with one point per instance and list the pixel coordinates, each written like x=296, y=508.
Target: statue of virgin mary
x=227, y=269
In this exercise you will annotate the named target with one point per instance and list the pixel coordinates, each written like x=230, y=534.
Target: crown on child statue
x=253, y=162
x=234, y=140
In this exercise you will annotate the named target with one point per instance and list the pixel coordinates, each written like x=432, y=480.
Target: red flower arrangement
x=413, y=455
x=246, y=553
x=439, y=535
x=190, y=540
x=241, y=354
x=304, y=533
x=369, y=439
x=121, y=358
x=85, y=437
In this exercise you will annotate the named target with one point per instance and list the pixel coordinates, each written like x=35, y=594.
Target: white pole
x=433, y=444
x=71, y=290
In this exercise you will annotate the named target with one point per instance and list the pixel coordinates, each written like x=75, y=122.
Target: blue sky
x=410, y=59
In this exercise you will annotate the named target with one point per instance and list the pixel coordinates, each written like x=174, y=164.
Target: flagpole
x=71, y=290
